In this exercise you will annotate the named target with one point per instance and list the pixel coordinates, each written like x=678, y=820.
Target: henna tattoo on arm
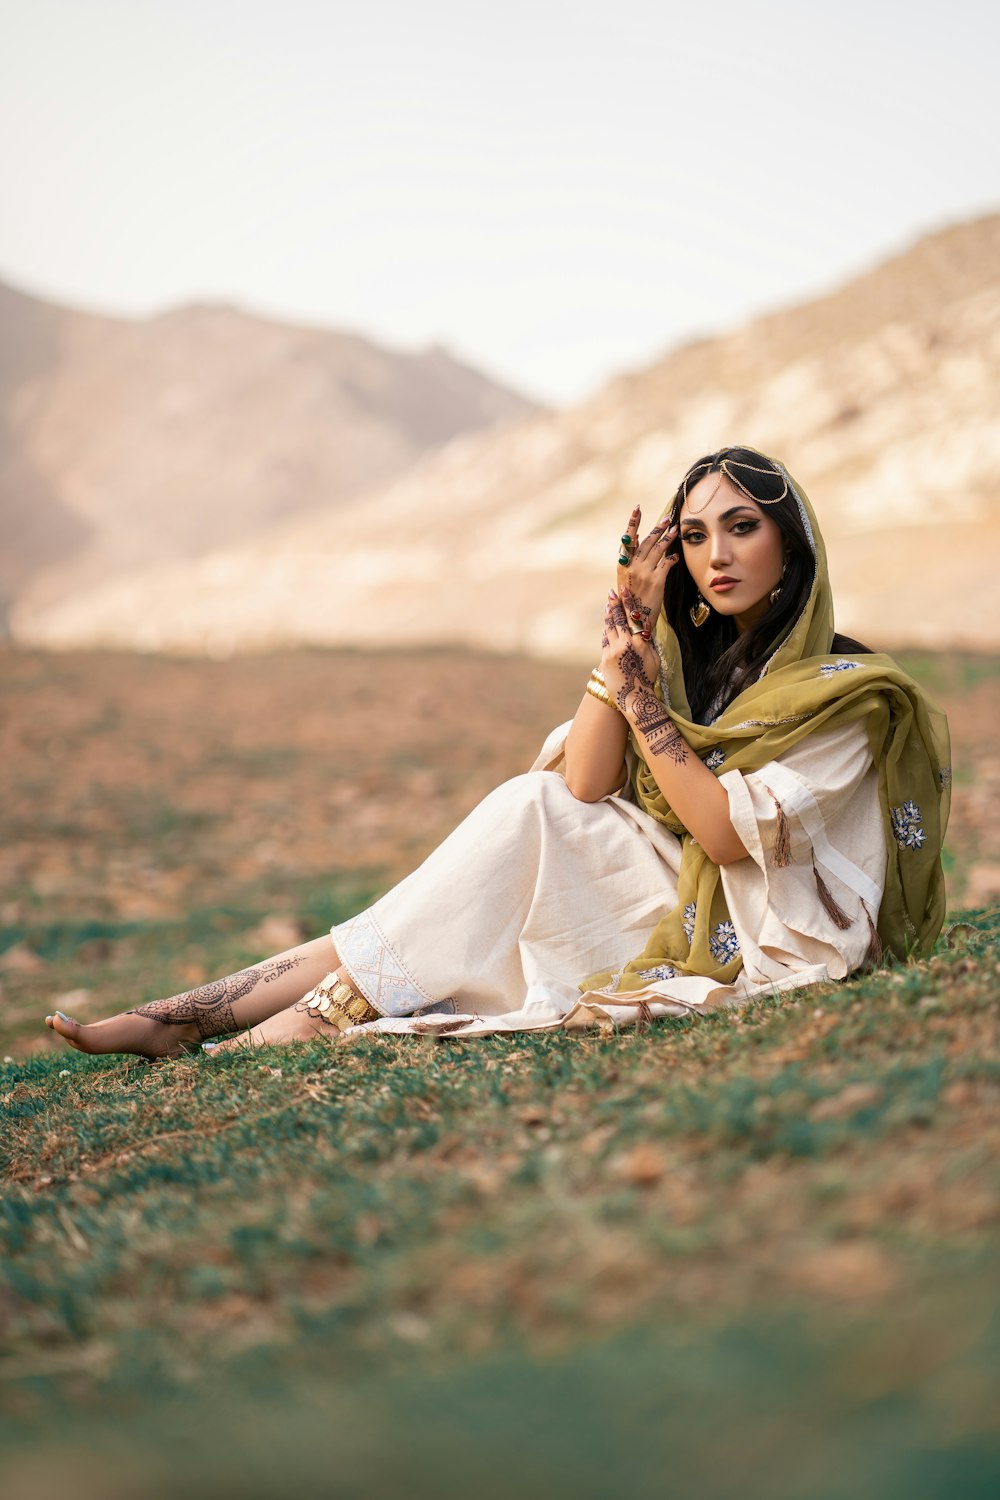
x=662, y=735
x=210, y=1007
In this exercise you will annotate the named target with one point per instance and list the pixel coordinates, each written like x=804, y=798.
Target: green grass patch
x=780, y=1223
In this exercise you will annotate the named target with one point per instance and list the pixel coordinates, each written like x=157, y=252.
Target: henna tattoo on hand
x=633, y=670
x=210, y=1007
x=636, y=607
x=662, y=735
x=618, y=619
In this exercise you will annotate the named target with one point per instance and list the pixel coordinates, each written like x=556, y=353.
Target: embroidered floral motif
x=829, y=668
x=687, y=921
x=907, y=827
x=716, y=758
x=662, y=971
x=724, y=944
x=944, y=778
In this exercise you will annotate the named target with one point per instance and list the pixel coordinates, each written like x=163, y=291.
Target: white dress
x=535, y=890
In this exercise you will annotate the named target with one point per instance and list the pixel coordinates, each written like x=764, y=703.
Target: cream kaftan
x=534, y=890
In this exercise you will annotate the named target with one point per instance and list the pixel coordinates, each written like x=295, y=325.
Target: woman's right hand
x=628, y=662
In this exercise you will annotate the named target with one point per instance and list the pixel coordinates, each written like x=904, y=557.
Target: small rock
x=850, y=1272
x=983, y=885
x=22, y=960
x=409, y=1326
x=854, y=1097
x=276, y=933
x=64, y=1073
x=643, y=1166
x=960, y=1093
x=71, y=1001
x=534, y=1114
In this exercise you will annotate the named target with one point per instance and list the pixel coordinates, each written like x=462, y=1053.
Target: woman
x=745, y=804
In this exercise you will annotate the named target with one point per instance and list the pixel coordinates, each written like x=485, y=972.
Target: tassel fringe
x=836, y=913
x=782, y=839
x=876, y=953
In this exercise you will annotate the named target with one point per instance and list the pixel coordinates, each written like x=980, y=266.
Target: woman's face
x=732, y=548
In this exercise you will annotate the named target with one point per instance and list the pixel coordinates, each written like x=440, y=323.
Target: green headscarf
x=802, y=689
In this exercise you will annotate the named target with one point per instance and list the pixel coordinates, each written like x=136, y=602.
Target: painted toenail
x=64, y=1017
x=207, y=1046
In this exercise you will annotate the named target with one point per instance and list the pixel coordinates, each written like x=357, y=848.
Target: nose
x=722, y=552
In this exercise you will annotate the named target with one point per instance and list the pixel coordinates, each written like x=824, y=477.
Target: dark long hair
x=719, y=661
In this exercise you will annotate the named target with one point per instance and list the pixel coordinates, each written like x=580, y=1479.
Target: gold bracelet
x=602, y=695
x=598, y=676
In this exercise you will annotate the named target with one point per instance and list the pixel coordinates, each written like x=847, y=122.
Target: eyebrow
x=734, y=510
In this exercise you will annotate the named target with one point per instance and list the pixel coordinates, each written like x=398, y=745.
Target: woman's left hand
x=627, y=661
x=642, y=579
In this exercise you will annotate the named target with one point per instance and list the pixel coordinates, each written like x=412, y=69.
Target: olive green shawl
x=802, y=689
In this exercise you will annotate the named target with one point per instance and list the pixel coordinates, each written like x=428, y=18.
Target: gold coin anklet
x=338, y=1005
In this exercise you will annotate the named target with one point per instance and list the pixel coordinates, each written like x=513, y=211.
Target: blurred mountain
x=880, y=397
x=131, y=442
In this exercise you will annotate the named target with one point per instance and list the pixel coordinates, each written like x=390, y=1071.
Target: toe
x=68, y=1029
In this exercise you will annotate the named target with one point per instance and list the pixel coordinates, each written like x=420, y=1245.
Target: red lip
x=723, y=581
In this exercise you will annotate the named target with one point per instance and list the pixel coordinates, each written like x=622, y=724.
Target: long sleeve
x=810, y=890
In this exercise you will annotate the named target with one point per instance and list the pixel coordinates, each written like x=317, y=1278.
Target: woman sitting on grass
x=744, y=803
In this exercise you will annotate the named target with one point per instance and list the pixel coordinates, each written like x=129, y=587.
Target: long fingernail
x=64, y=1017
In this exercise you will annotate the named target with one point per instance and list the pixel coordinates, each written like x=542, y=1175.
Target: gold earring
x=699, y=613
x=773, y=595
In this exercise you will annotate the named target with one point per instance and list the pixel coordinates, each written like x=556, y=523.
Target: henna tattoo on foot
x=662, y=735
x=210, y=1007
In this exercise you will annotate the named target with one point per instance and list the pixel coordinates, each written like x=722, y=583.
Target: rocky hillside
x=881, y=398
x=130, y=442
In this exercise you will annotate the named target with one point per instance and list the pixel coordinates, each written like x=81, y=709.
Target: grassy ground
x=751, y=1254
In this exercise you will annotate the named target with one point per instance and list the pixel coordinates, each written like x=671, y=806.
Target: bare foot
x=128, y=1032
x=292, y=1025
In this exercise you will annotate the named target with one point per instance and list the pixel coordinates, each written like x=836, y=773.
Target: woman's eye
x=693, y=536
x=743, y=528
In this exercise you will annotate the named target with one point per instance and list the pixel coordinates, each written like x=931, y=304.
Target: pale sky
x=555, y=191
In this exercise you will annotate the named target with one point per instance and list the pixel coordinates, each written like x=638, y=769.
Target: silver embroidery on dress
x=715, y=758
x=830, y=668
x=662, y=971
x=724, y=944
x=907, y=827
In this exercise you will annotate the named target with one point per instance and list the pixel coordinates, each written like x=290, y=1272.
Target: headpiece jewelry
x=725, y=465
